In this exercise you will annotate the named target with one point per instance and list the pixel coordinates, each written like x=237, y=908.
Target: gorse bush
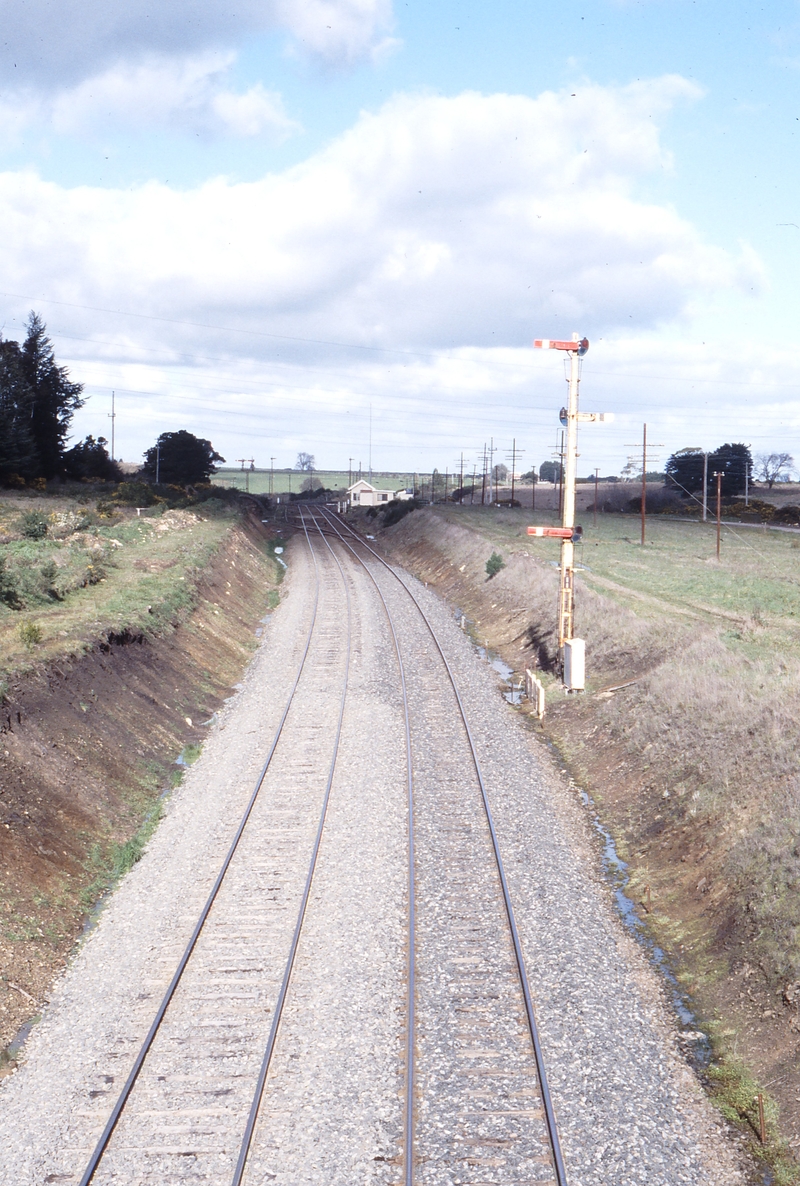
x=38, y=572
x=33, y=525
x=30, y=633
x=398, y=508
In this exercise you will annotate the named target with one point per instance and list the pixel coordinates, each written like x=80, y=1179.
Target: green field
x=284, y=481
x=758, y=575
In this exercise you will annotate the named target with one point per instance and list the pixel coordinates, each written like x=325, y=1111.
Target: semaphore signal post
x=570, y=649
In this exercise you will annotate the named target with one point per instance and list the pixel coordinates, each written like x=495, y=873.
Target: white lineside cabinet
x=575, y=664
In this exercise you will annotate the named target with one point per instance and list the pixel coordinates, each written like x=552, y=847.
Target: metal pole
x=271, y=475
x=350, y=472
x=746, y=482
x=566, y=601
x=113, y=418
x=513, y=467
x=445, y=486
x=644, y=477
x=561, y=472
x=158, y=461
x=705, y=486
x=718, y=476
x=596, y=479
x=533, y=487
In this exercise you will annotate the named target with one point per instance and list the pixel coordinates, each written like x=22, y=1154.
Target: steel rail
x=552, y=1129
x=408, y=1123
x=252, y=1118
x=128, y=1086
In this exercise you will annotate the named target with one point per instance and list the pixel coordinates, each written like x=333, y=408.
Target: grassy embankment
x=119, y=637
x=694, y=767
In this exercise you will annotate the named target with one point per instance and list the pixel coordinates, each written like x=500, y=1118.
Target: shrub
x=494, y=564
x=33, y=525
x=8, y=585
x=398, y=508
x=30, y=633
x=136, y=494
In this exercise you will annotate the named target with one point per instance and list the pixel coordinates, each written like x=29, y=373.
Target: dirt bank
x=87, y=746
x=641, y=751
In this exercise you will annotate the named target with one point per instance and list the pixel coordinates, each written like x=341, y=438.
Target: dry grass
x=712, y=725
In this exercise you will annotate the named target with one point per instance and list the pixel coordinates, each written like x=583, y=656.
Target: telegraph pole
x=705, y=486
x=350, y=473
x=596, y=480
x=112, y=417
x=718, y=476
x=515, y=453
x=644, y=478
x=246, y=472
x=271, y=474
x=483, y=477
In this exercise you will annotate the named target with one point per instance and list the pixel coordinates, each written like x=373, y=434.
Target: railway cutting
x=366, y=945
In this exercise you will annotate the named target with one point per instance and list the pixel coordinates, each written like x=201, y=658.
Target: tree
x=684, y=471
x=500, y=472
x=17, y=450
x=733, y=462
x=550, y=471
x=305, y=461
x=180, y=459
x=53, y=398
x=530, y=476
x=90, y=459
x=771, y=467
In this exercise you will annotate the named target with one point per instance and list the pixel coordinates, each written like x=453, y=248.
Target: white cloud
x=187, y=93
x=339, y=31
x=437, y=221
x=435, y=225
x=52, y=43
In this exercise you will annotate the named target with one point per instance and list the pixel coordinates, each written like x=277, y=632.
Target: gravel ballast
x=629, y=1109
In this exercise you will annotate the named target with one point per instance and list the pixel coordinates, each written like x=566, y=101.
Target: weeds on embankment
x=85, y=576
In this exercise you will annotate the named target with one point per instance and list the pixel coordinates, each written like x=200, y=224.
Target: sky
x=337, y=226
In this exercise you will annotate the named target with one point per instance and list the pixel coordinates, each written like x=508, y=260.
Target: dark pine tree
x=733, y=462
x=180, y=459
x=90, y=459
x=17, y=450
x=54, y=399
x=684, y=471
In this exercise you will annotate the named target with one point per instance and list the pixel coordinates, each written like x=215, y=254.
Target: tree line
x=37, y=403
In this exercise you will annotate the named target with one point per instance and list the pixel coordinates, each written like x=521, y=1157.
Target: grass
x=291, y=481
x=716, y=647
x=88, y=577
x=106, y=864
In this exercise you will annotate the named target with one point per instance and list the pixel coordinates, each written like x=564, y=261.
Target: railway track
x=203, y=1064
x=474, y=1104
x=478, y=1098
